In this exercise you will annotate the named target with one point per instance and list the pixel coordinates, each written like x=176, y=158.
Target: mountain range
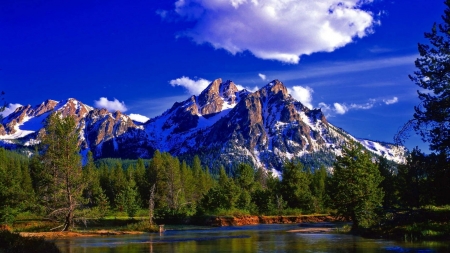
x=222, y=125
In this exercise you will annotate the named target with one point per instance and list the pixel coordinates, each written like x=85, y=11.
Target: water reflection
x=261, y=238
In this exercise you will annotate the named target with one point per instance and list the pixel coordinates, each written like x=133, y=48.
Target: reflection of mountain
x=221, y=125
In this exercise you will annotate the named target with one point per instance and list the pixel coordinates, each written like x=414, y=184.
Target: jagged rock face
x=101, y=125
x=23, y=113
x=182, y=121
x=47, y=106
x=96, y=126
x=183, y=116
x=265, y=124
x=212, y=99
x=2, y=130
x=209, y=100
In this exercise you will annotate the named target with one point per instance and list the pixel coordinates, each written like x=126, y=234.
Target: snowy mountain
x=222, y=125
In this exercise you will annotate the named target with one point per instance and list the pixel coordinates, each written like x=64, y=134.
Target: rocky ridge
x=221, y=125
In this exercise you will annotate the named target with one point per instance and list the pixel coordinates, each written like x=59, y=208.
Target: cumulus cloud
x=114, y=105
x=194, y=87
x=10, y=109
x=262, y=76
x=302, y=94
x=390, y=101
x=340, y=108
x=138, y=117
x=280, y=30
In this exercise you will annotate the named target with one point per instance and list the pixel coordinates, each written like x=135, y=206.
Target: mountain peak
x=210, y=93
x=275, y=87
x=212, y=99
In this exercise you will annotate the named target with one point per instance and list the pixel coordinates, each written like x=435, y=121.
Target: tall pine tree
x=62, y=171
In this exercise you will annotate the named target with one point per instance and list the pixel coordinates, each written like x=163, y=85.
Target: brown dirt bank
x=221, y=221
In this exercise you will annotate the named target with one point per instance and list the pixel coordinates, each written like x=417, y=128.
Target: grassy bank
x=421, y=224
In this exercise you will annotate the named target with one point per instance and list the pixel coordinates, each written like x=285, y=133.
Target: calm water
x=260, y=238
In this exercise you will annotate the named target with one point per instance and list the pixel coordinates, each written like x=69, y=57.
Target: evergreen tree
x=174, y=194
x=91, y=178
x=62, y=171
x=16, y=192
x=387, y=171
x=156, y=176
x=295, y=186
x=127, y=200
x=318, y=181
x=245, y=176
x=118, y=181
x=141, y=181
x=354, y=187
x=412, y=180
x=432, y=116
x=224, y=195
x=189, y=182
x=261, y=177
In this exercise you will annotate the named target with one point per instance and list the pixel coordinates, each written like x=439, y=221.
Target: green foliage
x=432, y=116
x=16, y=191
x=412, y=180
x=223, y=195
x=389, y=183
x=143, y=226
x=245, y=176
x=317, y=186
x=128, y=199
x=294, y=186
x=354, y=187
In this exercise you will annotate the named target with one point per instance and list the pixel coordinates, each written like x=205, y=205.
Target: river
x=257, y=238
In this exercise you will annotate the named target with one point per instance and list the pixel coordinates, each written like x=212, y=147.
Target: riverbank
x=73, y=234
x=221, y=221
x=208, y=221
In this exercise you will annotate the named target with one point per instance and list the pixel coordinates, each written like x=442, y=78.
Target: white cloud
x=302, y=94
x=280, y=30
x=194, y=87
x=390, y=101
x=365, y=106
x=327, y=69
x=138, y=117
x=10, y=109
x=262, y=76
x=112, y=106
x=340, y=109
x=240, y=87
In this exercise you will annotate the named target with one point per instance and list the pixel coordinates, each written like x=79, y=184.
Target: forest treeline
x=184, y=190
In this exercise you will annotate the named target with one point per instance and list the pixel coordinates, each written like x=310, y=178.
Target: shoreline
x=221, y=221
x=74, y=234
x=210, y=221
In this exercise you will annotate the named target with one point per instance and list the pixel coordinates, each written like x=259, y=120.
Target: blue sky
x=351, y=58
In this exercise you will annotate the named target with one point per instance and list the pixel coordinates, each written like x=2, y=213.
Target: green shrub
x=143, y=226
